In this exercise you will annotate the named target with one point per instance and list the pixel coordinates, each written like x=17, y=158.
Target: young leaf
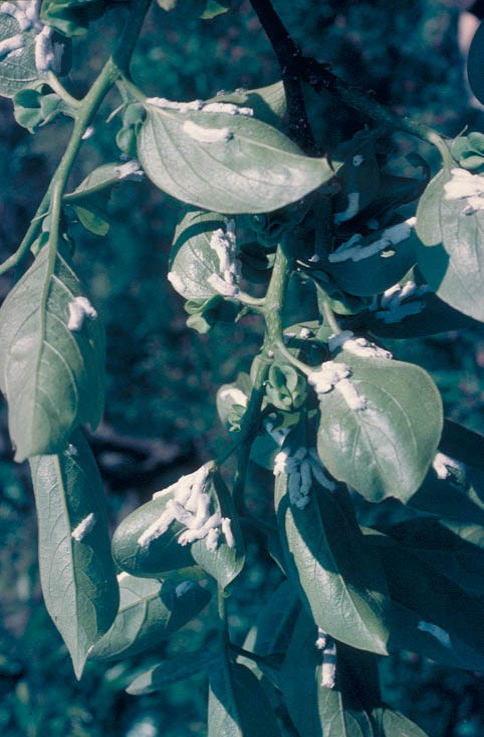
x=229, y=163
x=192, y=259
x=342, y=582
x=237, y=704
x=171, y=670
x=385, y=448
x=148, y=613
x=76, y=569
x=52, y=357
x=71, y=17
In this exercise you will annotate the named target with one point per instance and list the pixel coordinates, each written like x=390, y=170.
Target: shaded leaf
x=148, y=613
x=341, y=581
x=238, y=705
x=225, y=163
x=52, y=376
x=386, y=448
x=17, y=68
x=475, y=61
x=171, y=670
x=76, y=569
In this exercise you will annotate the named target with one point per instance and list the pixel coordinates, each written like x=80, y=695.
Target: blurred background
x=160, y=419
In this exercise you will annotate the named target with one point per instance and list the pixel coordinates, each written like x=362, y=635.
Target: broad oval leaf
x=390, y=723
x=386, y=448
x=268, y=103
x=341, y=581
x=192, y=259
x=475, y=62
x=238, y=705
x=225, y=163
x=429, y=210
x=149, y=612
x=76, y=569
x=51, y=358
x=161, y=553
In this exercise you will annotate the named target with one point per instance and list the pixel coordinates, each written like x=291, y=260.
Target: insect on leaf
x=51, y=358
x=76, y=569
x=224, y=161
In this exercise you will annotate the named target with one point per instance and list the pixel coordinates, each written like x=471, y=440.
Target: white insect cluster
x=224, y=244
x=235, y=395
x=357, y=346
x=190, y=505
x=327, y=645
x=467, y=187
x=443, y=465
x=206, y=135
x=131, y=170
x=354, y=251
x=301, y=468
x=438, y=632
x=393, y=306
x=335, y=375
x=351, y=209
x=228, y=108
x=83, y=528
x=79, y=309
x=26, y=13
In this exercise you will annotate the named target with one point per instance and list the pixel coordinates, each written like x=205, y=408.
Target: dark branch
x=288, y=55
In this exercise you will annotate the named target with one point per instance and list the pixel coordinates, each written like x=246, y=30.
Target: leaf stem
x=329, y=316
x=16, y=258
x=54, y=82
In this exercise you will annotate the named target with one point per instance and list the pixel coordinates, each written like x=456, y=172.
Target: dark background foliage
x=160, y=418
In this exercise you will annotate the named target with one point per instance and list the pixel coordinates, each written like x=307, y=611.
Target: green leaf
x=161, y=552
x=91, y=221
x=390, y=723
x=459, y=442
x=162, y=555
x=205, y=9
x=229, y=163
x=268, y=103
x=432, y=316
x=454, y=616
x=224, y=563
x=359, y=174
x=34, y=108
x=149, y=612
x=71, y=17
x=430, y=210
x=469, y=151
x=341, y=581
x=237, y=704
x=17, y=69
x=454, y=268
x=377, y=272
x=475, y=61
x=384, y=449
x=76, y=568
x=51, y=375
x=192, y=259
x=171, y=670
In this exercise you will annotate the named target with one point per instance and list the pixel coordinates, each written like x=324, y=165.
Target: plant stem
x=116, y=65
x=287, y=54
x=247, y=654
x=249, y=430
x=329, y=316
x=274, y=298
